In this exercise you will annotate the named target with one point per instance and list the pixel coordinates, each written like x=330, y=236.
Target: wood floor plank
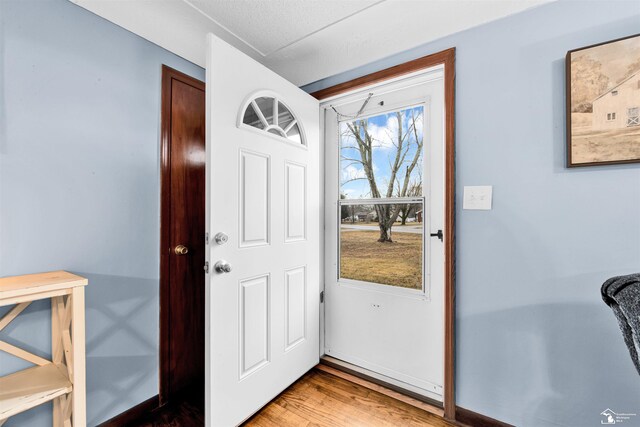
x=274, y=415
x=381, y=389
x=360, y=407
x=382, y=406
x=369, y=409
x=317, y=412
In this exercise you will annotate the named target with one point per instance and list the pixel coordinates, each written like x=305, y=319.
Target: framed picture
x=603, y=103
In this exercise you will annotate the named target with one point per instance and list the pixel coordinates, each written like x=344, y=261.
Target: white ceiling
x=268, y=26
x=302, y=40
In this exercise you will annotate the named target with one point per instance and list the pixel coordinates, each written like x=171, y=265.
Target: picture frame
x=603, y=103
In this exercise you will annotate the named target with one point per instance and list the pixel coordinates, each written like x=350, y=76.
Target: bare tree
x=399, y=183
x=405, y=210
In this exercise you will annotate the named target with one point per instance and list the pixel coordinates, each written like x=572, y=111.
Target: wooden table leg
x=78, y=395
x=56, y=354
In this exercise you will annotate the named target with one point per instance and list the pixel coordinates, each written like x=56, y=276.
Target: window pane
x=266, y=106
x=284, y=116
x=381, y=156
x=294, y=134
x=251, y=118
x=382, y=244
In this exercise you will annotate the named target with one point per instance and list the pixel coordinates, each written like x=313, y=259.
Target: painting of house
x=603, y=103
x=619, y=107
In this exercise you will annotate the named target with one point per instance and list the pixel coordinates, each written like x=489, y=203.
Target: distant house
x=619, y=107
x=364, y=216
x=419, y=215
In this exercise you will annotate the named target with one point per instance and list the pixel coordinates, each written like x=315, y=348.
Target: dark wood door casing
x=182, y=222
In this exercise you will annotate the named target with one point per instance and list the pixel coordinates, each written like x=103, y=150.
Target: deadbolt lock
x=221, y=238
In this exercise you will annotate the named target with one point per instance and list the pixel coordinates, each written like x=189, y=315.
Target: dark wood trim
x=388, y=73
x=131, y=415
x=446, y=57
x=168, y=75
x=475, y=419
x=567, y=88
x=450, y=237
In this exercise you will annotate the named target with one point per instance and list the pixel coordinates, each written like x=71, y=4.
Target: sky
x=383, y=129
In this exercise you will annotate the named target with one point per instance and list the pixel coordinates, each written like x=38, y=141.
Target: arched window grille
x=271, y=115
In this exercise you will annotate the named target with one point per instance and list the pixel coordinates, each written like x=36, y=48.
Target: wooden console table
x=62, y=379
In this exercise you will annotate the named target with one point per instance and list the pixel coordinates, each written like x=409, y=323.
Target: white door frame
x=422, y=308
x=398, y=72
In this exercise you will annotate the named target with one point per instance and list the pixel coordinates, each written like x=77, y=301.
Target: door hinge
x=206, y=267
x=322, y=297
x=206, y=238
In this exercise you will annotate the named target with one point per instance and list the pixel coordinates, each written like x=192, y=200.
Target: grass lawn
x=597, y=146
x=397, y=264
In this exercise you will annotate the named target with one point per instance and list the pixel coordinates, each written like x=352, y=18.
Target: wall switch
x=477, y=197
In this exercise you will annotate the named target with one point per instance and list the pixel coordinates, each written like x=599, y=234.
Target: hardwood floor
x=322, y=399
x=317, y=399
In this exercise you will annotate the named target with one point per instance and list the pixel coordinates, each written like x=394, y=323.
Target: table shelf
x=61, y=379
x=31, y=387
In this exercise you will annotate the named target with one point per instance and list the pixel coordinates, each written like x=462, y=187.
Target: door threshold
x=366, y=378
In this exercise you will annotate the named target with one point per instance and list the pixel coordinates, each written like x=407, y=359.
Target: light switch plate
x=477, y=197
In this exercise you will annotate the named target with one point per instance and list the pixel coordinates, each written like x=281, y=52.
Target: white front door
x=384, y=280
x=262, y=162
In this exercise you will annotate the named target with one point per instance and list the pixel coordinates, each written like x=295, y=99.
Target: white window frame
x=333, y=167
x=633, y=116
x=389, y=200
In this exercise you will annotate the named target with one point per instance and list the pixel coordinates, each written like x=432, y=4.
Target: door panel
x=254, y=324
x=296, y=313
x=254, y=199
x=186, y=200
x=295, y=206
x=263, y=193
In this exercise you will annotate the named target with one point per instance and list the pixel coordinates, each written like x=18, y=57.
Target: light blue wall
x=79, y=187
x=536, y=346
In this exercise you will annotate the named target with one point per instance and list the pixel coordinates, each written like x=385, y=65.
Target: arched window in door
x=271, y=115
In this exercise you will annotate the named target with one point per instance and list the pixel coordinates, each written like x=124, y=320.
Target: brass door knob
x=181, y=250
